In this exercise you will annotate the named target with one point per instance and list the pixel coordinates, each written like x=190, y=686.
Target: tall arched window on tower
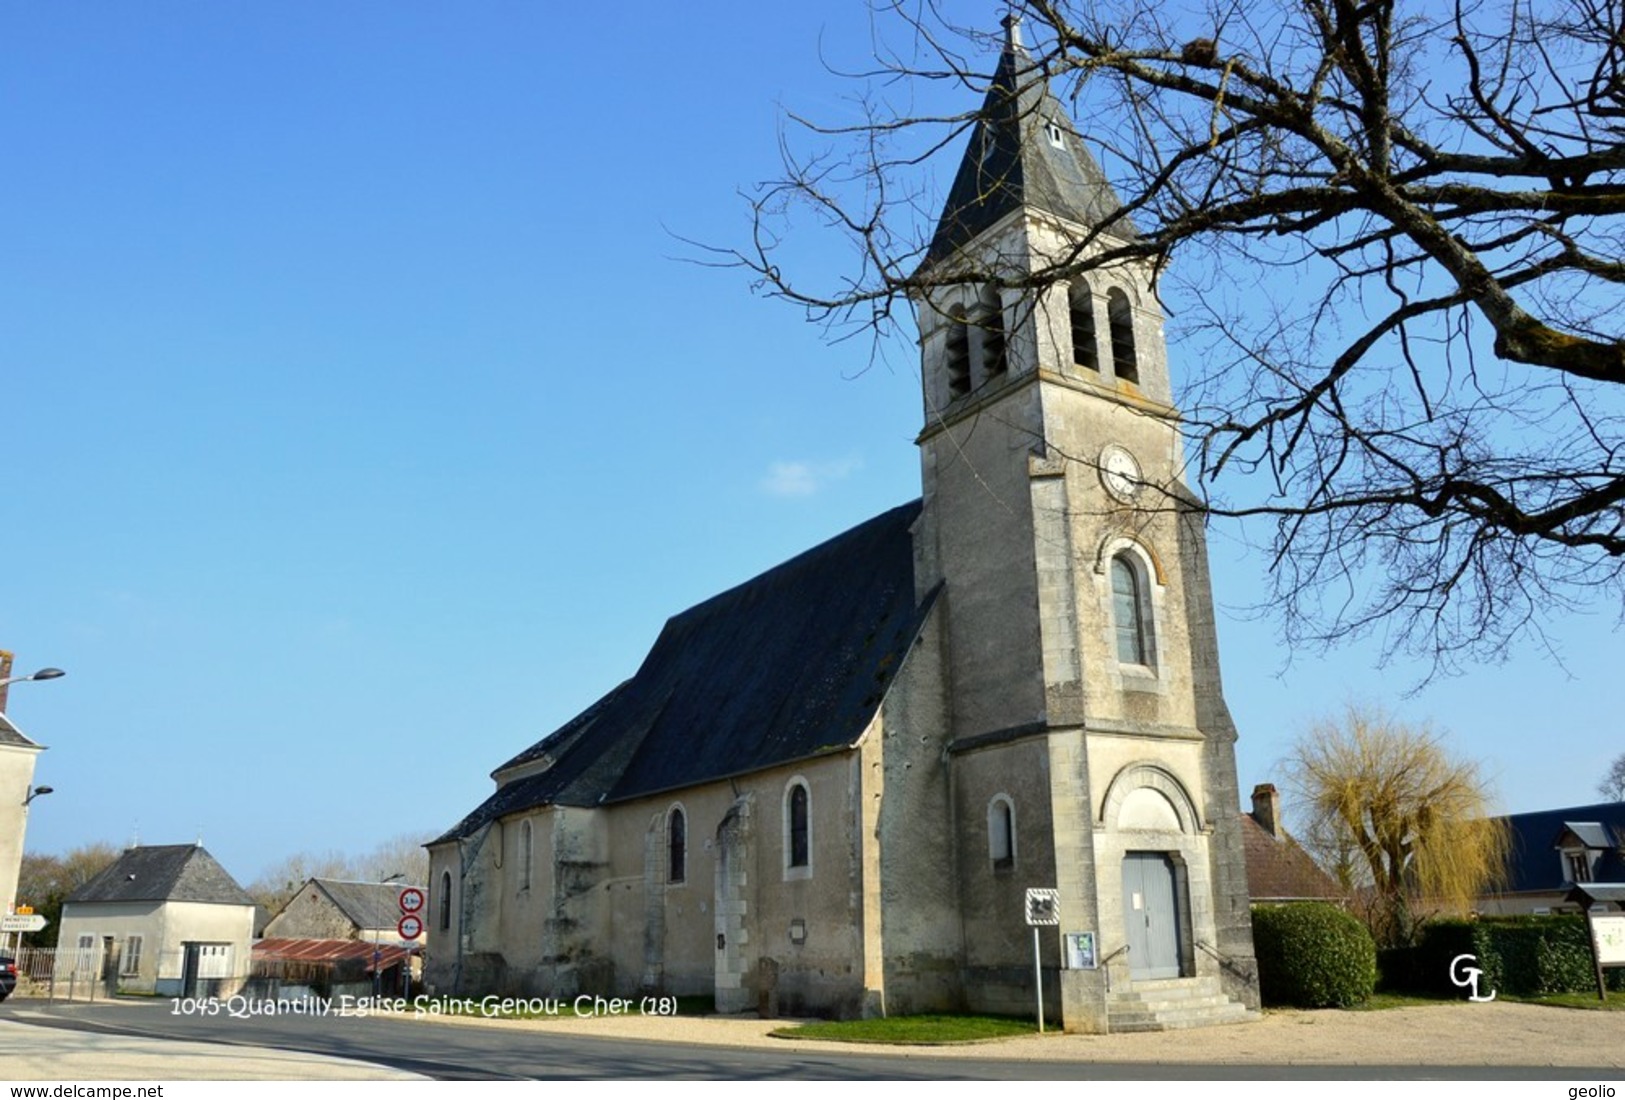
x=1121, y=316
x=1081, y=305
x=990, y=323
x=1001, y=831
x=1131, y=611
x=527, y=849
x=797, y=826
x=445, y=901
x=957, y=354
x=676, y=846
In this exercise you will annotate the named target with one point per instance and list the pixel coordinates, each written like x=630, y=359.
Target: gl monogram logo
x=1466, y=977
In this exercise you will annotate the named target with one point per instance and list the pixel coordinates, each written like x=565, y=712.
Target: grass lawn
x=1380, y=1001
x=1614, y=1003
x=911, y=1030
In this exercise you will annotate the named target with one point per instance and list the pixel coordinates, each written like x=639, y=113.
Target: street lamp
x=42, y=674
x=35, y=792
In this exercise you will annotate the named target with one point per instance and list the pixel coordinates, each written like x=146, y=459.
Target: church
x=828, y=790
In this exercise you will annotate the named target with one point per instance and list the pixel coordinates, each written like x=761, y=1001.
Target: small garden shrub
x=1313, y=955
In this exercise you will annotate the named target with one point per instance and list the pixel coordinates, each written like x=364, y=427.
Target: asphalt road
x=452, y=1052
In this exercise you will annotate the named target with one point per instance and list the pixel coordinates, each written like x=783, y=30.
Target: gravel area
x=1497, y=1033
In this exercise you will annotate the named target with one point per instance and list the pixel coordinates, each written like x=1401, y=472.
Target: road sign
x=411, y=899
x=1043, y=907
x=410, y=927
x=22, y=922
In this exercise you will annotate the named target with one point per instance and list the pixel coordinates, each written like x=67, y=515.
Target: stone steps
x=1169, y=1004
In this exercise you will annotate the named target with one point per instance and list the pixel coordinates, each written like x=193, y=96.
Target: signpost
x=21, y=922
x=1043, y=911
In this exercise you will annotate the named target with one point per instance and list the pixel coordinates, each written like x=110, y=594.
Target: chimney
x=5, y=673
x=1267, y=808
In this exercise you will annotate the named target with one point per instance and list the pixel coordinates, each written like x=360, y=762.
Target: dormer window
x=1052, y=130
x=1578, y=866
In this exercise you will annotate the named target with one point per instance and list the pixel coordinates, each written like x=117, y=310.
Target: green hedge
x=1525, y=956
x=1312, y=955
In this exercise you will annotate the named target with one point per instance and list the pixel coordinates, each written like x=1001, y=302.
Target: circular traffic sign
x=411, y=899
x=410, y=927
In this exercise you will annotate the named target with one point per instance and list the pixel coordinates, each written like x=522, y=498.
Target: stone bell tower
x=1090, y=746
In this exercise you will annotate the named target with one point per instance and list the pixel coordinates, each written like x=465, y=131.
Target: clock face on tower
x=1119, y=472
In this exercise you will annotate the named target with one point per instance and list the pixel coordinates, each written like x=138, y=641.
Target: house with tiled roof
x=1552, y=851
x=164, y=919
x=1278, y=868
x=829, y=789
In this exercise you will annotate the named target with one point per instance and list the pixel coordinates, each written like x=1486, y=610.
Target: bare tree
x=44, y=882
x=1389, y=237
x=1612, y=786
x=1404, y=823
x=403, y=855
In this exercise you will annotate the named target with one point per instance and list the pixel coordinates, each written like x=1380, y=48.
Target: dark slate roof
x=790, y=665
x=11, y=735
x=1534, y=865
x=365, y=904
x=1010, y=162
x=164, y=872
x=1280, y=870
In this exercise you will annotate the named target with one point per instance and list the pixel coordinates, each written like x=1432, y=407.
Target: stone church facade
x=828, y=790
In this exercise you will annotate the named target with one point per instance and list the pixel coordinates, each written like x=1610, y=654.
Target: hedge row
x=1526, y=956
x=1312, y=955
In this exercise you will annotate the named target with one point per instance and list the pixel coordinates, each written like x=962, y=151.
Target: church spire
x=1023, y=152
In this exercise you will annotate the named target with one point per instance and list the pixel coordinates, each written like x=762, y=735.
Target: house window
x=130, y=964
x=990, y=321
x=1001, y=831
x=676, y=846
x=958, y=353
x=445, y=900
x=1121, y=316
x=1131, y=611
x=1579, y=866
x=797, y=826
x=1081, y=305
x=527, y=848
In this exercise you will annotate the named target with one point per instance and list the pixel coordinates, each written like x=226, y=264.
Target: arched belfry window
x=1131, y=611
x=676, y=846
x=797, y=826
x=990, y=322
x=1081, y=306
x=957, y=354
x=445, y=901
x=1121, y=316
x=1001, y=831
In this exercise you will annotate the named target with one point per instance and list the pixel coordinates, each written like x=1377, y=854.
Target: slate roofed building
x=335, y=909
x=828, y=789
x=165, y=919
x=1552, y=851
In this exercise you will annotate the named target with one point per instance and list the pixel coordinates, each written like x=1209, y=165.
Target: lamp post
x=377, y=949
x=33, y=792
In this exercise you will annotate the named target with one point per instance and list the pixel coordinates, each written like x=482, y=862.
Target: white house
x=163, y=919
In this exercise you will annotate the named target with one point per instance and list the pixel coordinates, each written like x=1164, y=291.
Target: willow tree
x=1388, y=235
x=1405, y=823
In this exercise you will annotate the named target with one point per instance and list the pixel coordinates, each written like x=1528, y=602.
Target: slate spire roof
x=164, y=872
x=788, y=666
x=1024, y=152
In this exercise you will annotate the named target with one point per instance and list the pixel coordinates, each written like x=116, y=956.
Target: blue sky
x=363, y=422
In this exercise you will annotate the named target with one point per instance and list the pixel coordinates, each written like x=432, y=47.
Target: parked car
x=8, y=976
